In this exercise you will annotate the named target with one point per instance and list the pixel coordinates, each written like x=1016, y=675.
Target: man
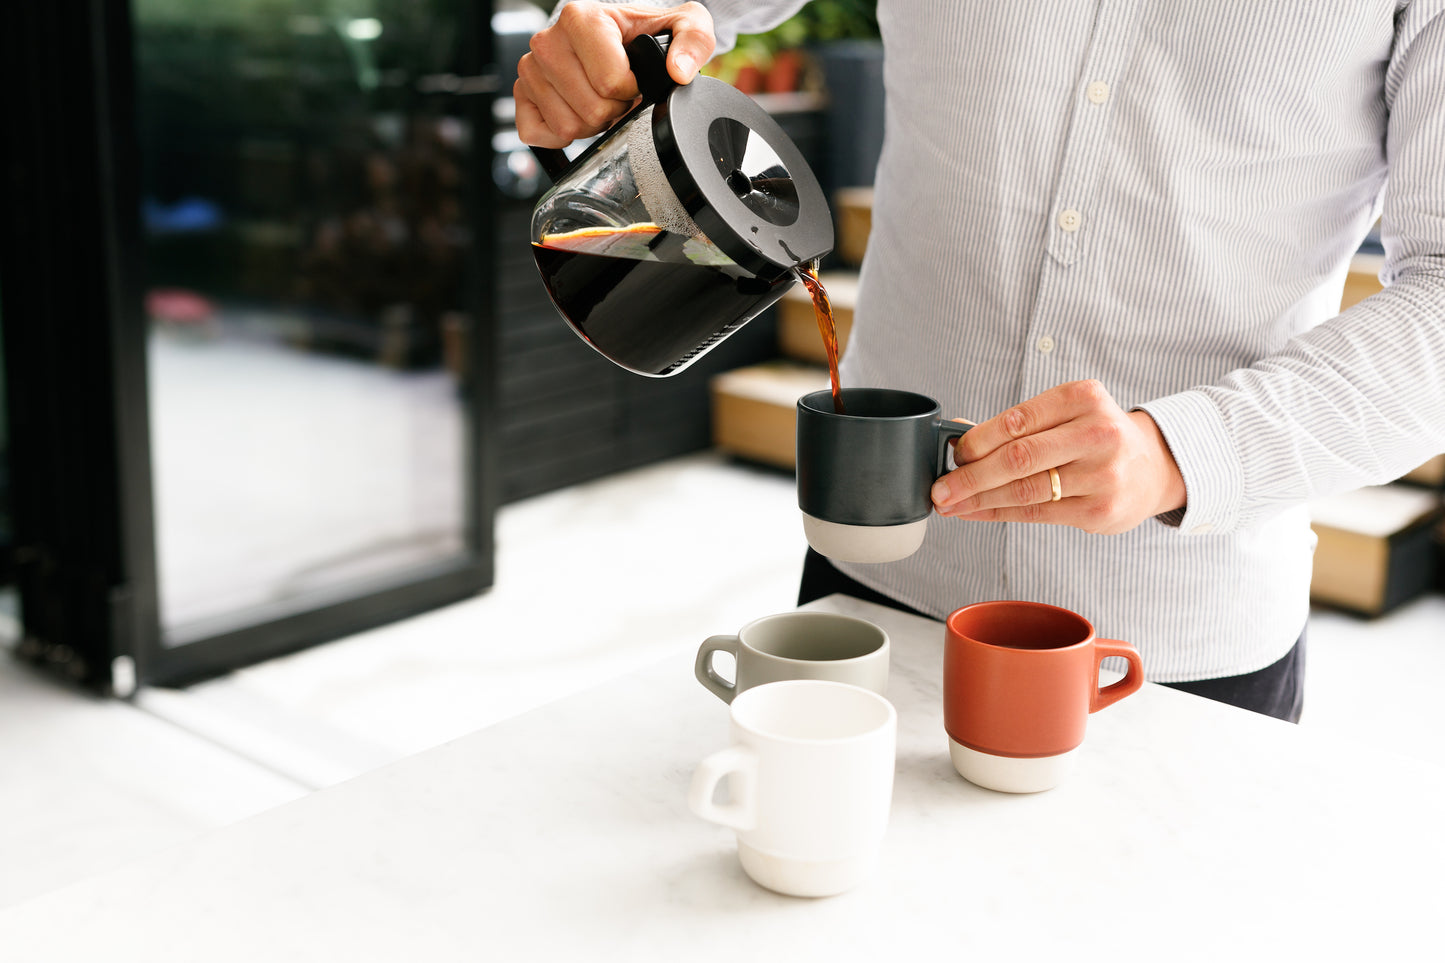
x=1119, y=232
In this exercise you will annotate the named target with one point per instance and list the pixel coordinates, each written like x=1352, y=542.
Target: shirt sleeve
x=1360, y=399
x=730, y=17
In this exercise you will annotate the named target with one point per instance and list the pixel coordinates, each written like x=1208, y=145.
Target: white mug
x=810, y=781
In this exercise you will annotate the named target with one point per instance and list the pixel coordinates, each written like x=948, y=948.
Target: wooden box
x=1377, y=547
x=754, y=410
x=1431, y=474
x=853, y=208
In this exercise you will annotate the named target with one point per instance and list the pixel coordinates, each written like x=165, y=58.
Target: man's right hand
x=575, y=81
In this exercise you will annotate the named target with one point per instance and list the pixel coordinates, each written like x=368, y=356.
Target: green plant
x=820, y=21
x=824, y=20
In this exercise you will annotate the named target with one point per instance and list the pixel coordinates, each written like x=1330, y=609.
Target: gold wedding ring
x=1054, y=484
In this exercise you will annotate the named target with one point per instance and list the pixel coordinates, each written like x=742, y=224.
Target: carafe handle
x=647, y=56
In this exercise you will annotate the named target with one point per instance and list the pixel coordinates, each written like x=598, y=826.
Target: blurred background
x=276, y=351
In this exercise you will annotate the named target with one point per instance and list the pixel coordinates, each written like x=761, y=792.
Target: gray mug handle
x=707, y=675
x=947, y=432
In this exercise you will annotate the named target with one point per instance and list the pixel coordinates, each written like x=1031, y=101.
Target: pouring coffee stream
x=827, y=327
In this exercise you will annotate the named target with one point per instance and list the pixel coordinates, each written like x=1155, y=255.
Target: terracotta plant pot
x=786, y=73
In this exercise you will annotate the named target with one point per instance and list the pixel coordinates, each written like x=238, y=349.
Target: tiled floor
x=591, y=582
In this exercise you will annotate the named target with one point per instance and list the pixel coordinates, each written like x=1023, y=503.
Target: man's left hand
x=1114, y=469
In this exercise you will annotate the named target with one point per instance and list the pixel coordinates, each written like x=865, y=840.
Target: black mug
x=864, y=476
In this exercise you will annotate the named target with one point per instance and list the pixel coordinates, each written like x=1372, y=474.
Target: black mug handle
x=647, y=56
x=947, y=433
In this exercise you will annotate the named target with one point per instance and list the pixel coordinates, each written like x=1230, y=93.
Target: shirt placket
x=1071, y=220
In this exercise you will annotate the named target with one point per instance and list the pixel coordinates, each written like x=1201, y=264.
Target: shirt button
x=1044, y=344
x=1097, y=92
x=1070, y=220
x=1204, y=528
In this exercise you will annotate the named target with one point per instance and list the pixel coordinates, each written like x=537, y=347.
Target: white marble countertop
x=1189, y=830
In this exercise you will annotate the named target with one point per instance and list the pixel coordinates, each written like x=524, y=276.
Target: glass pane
x=9, y=597
x=305, y=254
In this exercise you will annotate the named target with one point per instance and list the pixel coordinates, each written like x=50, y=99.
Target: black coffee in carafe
x=650, y=316
x=685, y=220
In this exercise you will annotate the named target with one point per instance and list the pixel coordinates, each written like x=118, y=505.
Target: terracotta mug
x=1019, y=682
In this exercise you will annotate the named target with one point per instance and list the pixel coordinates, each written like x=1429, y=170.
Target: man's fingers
x=1049, y=409
x=586, y=69
x=1033, y=489
x=544, y=118
x=692, y=41
x=1017, y=458
x=531, y=126
x=576, y=81
x=598, y=63
x=602, y=49
x=1045, y=513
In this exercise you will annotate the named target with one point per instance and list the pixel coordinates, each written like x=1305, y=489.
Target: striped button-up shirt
x=1163, y=196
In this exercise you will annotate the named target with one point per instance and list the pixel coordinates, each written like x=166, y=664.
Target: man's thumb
x=692, y=38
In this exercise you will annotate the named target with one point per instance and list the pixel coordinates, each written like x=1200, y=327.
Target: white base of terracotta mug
x=1009, y=773
x=864, y=543
x=800, y=877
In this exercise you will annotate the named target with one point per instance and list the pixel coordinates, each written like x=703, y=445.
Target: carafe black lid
x=741, y=179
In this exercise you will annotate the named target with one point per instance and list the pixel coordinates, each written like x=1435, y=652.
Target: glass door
x=9, y=600
x=315, y=228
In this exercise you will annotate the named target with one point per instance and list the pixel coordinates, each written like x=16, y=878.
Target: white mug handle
x=740, y=812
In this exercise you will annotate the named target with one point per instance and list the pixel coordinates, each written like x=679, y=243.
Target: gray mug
x=797, y=645
x=864, y=476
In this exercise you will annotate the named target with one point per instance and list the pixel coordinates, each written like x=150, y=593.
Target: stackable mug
x=797, y=645
x=810, y=784
x=864, y=476
x=1019, y=682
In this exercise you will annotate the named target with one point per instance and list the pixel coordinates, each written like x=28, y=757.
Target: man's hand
x=576, y=81
x=1114, y=468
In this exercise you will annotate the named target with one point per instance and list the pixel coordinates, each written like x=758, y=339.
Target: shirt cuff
x=1213, y=477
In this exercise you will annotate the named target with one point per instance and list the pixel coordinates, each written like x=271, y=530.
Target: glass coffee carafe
x=686, y=219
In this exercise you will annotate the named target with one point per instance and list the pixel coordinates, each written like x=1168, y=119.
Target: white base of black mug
x=863, y=543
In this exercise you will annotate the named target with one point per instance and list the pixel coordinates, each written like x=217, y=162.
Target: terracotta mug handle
x=1133, y=678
